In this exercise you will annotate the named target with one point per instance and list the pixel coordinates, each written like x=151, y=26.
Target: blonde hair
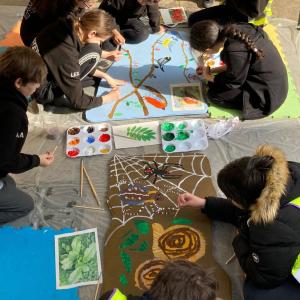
x=95, y=20
x=24, y=63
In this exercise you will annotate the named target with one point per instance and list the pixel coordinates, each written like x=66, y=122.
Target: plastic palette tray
x=183, y=136
x=89, y=140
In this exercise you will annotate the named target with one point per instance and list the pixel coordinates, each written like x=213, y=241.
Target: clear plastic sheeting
x=57, y=187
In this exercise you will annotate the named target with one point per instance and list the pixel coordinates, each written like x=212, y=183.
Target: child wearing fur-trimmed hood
x=263, y=202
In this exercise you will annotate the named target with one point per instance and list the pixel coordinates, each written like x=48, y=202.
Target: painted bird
x=162, y=61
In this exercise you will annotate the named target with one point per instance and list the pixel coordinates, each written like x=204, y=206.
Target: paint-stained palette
x=183, y=136
x=89, y=140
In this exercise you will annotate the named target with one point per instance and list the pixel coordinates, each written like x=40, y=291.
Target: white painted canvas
x=77, y=259
x=136, y=135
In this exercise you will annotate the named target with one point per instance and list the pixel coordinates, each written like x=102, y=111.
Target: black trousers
x=134, y=32
x=222, y=14
x=14, y=203
x=289, y=290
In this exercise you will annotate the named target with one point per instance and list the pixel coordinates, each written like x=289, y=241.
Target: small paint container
x=183, y=136
x=89, y=140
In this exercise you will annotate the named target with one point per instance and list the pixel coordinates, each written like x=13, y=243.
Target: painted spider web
x=129, y=171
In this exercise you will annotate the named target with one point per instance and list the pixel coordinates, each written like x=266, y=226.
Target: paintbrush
x=91, y=185
x=86, y=207
x=97, y=289
x=81, y=177
x=230, y=259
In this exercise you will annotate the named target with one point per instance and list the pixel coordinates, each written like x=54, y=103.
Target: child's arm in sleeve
x=154, y=17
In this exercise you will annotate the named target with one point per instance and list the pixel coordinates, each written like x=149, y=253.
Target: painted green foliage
x=182, y=221
x=141, y=133
x=78, y=259
x=131, y=242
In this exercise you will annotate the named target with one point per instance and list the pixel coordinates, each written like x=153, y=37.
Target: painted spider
x=150, y=170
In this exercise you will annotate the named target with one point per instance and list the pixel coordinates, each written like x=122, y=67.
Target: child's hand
x=113, y=82
x=46, y=159
x=118, y=37
x=199, y=70
x=207, y=74
x=188, y=199
x=162, y=29
x=114, y=55
x=113, y=95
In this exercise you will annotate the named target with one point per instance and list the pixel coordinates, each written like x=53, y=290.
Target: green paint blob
x=167, y=126
x=169, y=136
x=143, y=247
x=142, y=226
x=123, y=280
x=170, y=148
x=129, y=241
x=182, y=135
x=126, y=260
x=182, y=126
x=181, y=221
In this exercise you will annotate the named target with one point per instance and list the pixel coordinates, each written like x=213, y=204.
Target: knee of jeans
x=142, y=36
x=28, y=205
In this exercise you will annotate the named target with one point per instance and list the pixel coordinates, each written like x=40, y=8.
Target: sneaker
x=208, y=3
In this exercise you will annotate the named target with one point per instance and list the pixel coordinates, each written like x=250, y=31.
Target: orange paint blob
x=74, y=142
x=156, y=103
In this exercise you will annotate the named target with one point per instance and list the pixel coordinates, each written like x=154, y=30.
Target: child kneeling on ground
x=263, y=202
x=21, y=73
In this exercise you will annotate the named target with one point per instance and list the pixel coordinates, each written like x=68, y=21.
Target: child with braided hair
x=254, y=79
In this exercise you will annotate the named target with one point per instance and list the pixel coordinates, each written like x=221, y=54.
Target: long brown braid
x=206, y=34
x=233, y=33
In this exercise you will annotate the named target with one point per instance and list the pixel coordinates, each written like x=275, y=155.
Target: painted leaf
x=143, y=247
x=142, y=226
x=76, y=244
x=89, y=252
x=75, y=276
x=126, y=260
x=181, y=221
x=131, y=240
x=123, y=280
x=66, y=264
x=141, y=133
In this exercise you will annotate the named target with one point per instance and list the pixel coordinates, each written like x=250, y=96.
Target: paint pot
x=90, y=129
x=182, y=135
x=90, y=139
x=169, y=136
x=53, y=133
x=103, y=138
x=73, y=152
x=73, y=130
x=184, y=146
x=105, y=149
x=170, y=148
x=104, y=127
x=199, y=133
x=89, y=150
x=74, y=142
x=167, y=126
x=197, y=124
x=182, y=125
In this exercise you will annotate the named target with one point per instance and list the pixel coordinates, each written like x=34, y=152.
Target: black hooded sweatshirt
x=59, y=46
x=263, y=83
x=123, y=10
x=13, y=130
x=266, y=252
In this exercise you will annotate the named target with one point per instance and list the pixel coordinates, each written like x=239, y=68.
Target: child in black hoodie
x=70, y=49
x=178, y=280
x=254, y=79
x=127, y=14
x=262, y=199
x=21, y=72
x=234, y=11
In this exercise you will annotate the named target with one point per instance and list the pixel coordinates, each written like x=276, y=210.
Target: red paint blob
x=104, y=138
x=73, y=152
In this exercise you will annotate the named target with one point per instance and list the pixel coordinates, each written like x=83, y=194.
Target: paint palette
x=183, y=136
x=89, y=140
